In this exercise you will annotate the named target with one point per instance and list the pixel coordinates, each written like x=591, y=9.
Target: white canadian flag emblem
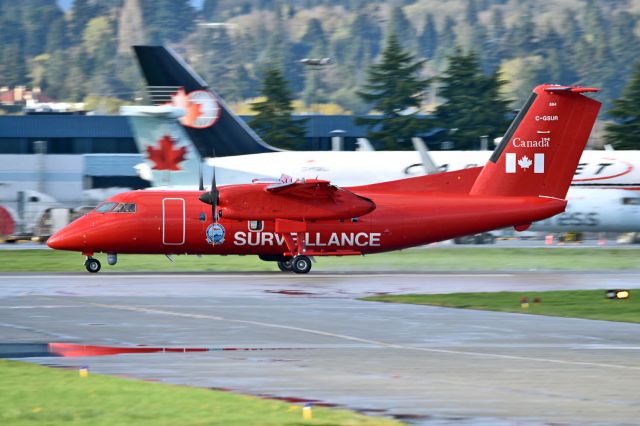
x=524, y=163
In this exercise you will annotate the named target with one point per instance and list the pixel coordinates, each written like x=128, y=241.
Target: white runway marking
x=359, y=339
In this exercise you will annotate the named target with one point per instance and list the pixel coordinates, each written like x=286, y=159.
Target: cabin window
x=203, y=217
x=256, y=225
x=631, y=201
x=125, y=208
x=105, y=207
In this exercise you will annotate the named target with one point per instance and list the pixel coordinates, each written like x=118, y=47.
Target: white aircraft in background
x=241, y=156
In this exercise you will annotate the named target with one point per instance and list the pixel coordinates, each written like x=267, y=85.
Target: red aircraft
x=525, y=180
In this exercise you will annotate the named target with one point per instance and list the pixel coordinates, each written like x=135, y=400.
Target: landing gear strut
x=286, y=264
x=301, y=264
x=92, y=265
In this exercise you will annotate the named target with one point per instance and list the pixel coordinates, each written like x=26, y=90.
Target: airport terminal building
x=63, y=155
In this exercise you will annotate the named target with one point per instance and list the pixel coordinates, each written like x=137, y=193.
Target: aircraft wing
x=304, y=188
x=300, y=200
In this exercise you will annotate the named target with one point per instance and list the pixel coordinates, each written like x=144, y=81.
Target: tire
x=92, y=265
x=301, y=264
x=286, y=264
x=489, y=238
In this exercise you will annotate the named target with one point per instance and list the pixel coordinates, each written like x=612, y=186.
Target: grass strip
x=32, y=395
x=418, y=259
x=588, y=304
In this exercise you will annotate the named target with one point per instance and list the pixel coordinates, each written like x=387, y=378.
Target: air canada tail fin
x=211, y=125
x=540, y=151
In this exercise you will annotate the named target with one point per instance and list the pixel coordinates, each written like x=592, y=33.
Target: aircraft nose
x=69, y=238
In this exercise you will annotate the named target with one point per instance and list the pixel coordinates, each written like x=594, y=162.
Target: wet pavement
x=308, y=338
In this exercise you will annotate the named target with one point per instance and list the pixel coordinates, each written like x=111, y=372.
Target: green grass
x=33, y=394
x=419, y=259
x=590, y=304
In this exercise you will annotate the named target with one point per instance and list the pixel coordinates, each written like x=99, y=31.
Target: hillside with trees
x=83, y=51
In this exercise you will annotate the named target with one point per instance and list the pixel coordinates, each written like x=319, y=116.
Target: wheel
x=92, y=265
x=301, y=264
x=286, y=264
x=489, y=238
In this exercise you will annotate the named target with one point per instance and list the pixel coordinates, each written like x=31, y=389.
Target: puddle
x=291, y=292
x=31, y=350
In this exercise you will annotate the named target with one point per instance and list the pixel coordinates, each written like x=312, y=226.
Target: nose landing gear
x=92, y=265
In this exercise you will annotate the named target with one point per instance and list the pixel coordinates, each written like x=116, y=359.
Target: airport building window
x=60, y=146
x=13, y=146
x=113, y=146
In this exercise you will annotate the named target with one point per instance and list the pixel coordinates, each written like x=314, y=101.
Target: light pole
x=314, y=64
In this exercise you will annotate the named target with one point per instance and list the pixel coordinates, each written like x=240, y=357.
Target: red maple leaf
x=192, y=110
x=166, y=157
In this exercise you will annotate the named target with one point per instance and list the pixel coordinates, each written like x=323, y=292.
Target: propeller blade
x=215, y=194
x=200, y=182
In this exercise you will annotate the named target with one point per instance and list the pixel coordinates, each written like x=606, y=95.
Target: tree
x=624, y=132
x=473, y=106
x=394, y=89
x=167, y=20
x=37, y=21
x=520, y=38
x=471, y=13
x=216, y=59
x=314, y=45
x=273, y=121
x=446, y=39
x=428, y=41
x=402, y=29
x=130, y=27
x=209, y=10
x=82, y=11
x=57, y=38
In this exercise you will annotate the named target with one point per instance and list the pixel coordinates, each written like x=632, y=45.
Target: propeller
x=200, y=182
x=215, y=197
x=212, y=197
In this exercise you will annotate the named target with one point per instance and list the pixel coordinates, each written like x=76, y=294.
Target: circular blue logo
x=215, y=233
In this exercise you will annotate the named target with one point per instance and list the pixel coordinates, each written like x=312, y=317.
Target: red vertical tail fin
x=541, y=149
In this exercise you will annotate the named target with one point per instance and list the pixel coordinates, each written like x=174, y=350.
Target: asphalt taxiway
x=308, y=337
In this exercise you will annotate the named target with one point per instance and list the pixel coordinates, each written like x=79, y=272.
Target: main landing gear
x=300, y=264
x=286, y=264
x=92, y=265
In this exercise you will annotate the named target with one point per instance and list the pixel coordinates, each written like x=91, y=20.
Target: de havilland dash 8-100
x=291, y=220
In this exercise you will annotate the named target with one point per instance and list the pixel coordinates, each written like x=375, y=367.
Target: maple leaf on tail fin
x=192, y=110
x=166, y=156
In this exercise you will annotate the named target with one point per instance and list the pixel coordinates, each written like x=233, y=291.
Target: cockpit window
x=105, y=207
x=125, y=208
